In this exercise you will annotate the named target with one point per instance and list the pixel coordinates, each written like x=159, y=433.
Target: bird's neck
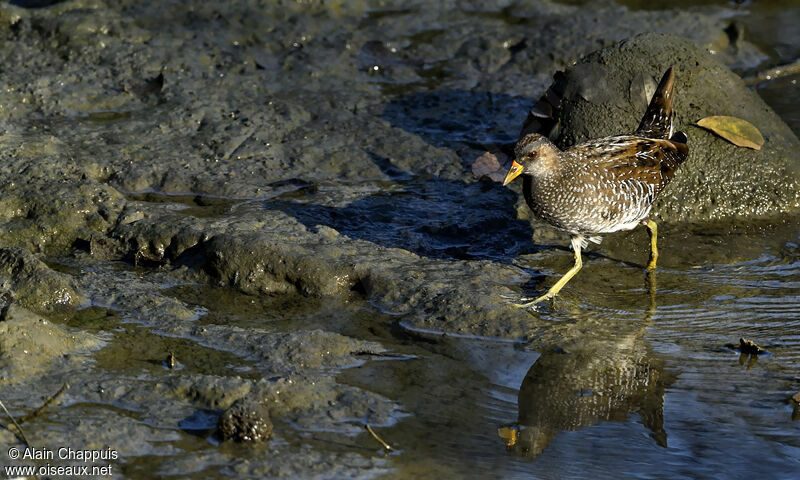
x=544, y=167
x=548, y=162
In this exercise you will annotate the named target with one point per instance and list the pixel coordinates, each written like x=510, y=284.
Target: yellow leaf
x=735, y=130
x=509, y=434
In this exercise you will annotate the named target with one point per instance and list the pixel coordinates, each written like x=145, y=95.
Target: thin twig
x=773, y=73
x=19, y=429
x=46, y=404
x=237, y=142
x=377, y=438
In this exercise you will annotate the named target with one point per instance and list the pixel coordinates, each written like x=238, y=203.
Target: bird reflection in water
x=598, y=378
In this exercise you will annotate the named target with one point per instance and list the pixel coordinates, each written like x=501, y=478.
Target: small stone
x=245, y=421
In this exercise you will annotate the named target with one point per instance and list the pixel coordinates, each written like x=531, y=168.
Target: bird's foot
x=526, y=304
x=514, y=300
x=651, y=265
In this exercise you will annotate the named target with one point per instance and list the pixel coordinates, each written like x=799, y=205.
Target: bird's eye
x=532, y=155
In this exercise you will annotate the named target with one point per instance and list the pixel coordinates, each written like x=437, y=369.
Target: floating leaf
x=735, y=130
x=750, y=347
x=746, y=347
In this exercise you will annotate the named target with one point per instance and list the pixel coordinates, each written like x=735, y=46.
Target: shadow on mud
x=432, y=216
x=436, y=218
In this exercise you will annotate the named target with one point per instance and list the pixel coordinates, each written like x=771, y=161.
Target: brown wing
x=650, y=160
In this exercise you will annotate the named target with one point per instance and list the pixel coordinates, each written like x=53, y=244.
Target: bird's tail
x=657, y=120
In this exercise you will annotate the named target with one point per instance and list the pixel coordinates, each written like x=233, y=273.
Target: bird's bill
x=513, y=172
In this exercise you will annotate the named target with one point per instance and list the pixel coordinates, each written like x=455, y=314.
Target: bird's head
x=533, y=155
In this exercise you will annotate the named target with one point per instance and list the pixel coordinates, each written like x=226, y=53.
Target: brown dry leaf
x=750, y=347
x=489, y=165
x=735, y=130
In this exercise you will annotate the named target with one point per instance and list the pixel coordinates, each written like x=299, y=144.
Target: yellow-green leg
x=652, y=229
x=576, y=247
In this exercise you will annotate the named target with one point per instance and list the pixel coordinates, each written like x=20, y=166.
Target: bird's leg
x=652, y=229
x=577, y=240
